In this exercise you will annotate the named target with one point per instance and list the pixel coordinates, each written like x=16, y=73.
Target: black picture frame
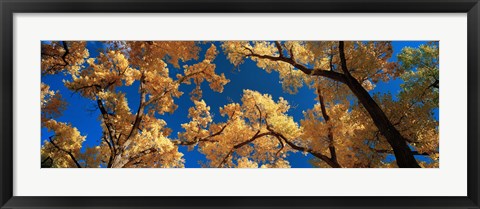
x=9, y=7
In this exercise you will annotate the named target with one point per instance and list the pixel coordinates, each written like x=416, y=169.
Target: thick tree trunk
x=120, y=160
x=403, y=154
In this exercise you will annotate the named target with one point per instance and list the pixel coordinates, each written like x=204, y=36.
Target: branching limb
x=66, y=151
x=326, y=159
x=133, y=160
x=315, y=72
x=331, y=146
x=140, y=111
x=279, y=48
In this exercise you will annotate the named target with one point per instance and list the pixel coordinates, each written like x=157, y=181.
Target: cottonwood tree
x=130, y=138
x=348, y=127
x=343, y=69
x=255, y=132
x=259, y=133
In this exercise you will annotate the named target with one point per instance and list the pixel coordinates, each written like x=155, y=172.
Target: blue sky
x=83, y=114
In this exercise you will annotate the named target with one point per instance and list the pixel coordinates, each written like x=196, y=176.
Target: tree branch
x=402, y=152
x=343, y=60
x=107, y=124
x=139, y=155
x=68, y=152
x=112, y=152
x=319, y=155
x=140, y=113
x=63, y=57
x=329, y=161
x=435, y=84
x=413, y=152
x=331, y=146
x=279, y=48
x=254, y=137
x=207, y=138
x=316, y=72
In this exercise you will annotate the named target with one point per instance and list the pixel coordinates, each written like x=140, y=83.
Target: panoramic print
x=239, y=104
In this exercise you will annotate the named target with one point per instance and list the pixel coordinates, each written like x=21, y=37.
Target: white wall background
x=448, y=180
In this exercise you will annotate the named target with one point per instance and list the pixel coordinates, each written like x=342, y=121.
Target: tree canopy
x=351, y=124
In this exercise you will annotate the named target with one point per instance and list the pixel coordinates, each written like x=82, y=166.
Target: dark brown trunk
x=403, y=154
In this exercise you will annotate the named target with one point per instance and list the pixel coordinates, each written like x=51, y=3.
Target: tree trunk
x=403, y=154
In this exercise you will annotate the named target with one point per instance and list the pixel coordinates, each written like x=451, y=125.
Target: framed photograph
x=238, y=104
